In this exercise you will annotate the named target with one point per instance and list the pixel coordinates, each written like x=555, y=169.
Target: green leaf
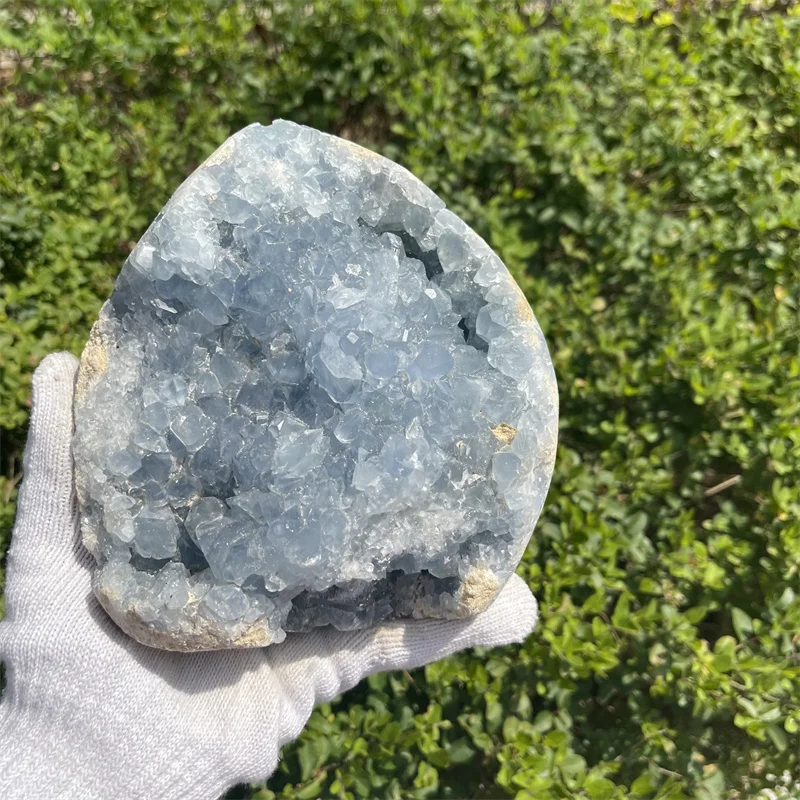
x=778, y=737
x=624, y=11
x=599, y=788
x=308, y=755
x=643, y=786
x=725, y=650
x=312, y=790
x=742, y=623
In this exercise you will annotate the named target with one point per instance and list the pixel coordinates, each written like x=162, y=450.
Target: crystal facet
x=315, y=397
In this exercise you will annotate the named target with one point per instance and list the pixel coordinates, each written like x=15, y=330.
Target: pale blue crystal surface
x=320, y=399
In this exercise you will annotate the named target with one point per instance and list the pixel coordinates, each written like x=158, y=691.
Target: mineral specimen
x=315, y=397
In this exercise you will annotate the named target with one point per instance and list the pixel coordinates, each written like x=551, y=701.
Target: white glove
x=90, y=713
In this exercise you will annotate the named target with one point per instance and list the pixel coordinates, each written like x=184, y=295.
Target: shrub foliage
x=636, y=165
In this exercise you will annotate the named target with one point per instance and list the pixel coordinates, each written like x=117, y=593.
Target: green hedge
x=636, y=165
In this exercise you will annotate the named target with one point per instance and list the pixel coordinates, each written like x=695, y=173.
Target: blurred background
x=635, y=164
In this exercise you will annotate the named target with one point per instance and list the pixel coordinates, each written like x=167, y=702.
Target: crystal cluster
x=314, y=397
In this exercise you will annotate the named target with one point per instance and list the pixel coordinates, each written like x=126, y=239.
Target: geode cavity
x=315, y=397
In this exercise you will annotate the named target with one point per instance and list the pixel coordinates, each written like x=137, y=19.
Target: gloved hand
x=90, y=713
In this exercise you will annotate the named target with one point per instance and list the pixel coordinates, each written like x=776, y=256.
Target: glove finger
x=44, y=539
x=413, y=643
x=317, y=666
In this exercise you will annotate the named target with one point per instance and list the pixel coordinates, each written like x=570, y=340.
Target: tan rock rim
x=203, y=635
x=478, y=590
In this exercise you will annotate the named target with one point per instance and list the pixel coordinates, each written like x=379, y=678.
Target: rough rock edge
x=94, y=358
x=474, y=595
x=202, y=634
x=94, y=362
x=478, y=590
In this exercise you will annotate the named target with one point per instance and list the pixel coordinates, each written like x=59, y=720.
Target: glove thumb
x=45, y=553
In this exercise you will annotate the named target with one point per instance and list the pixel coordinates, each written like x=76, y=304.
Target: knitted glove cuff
x=39, y=756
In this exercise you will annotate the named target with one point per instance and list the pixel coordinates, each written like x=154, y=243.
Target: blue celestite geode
x=314, y=397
